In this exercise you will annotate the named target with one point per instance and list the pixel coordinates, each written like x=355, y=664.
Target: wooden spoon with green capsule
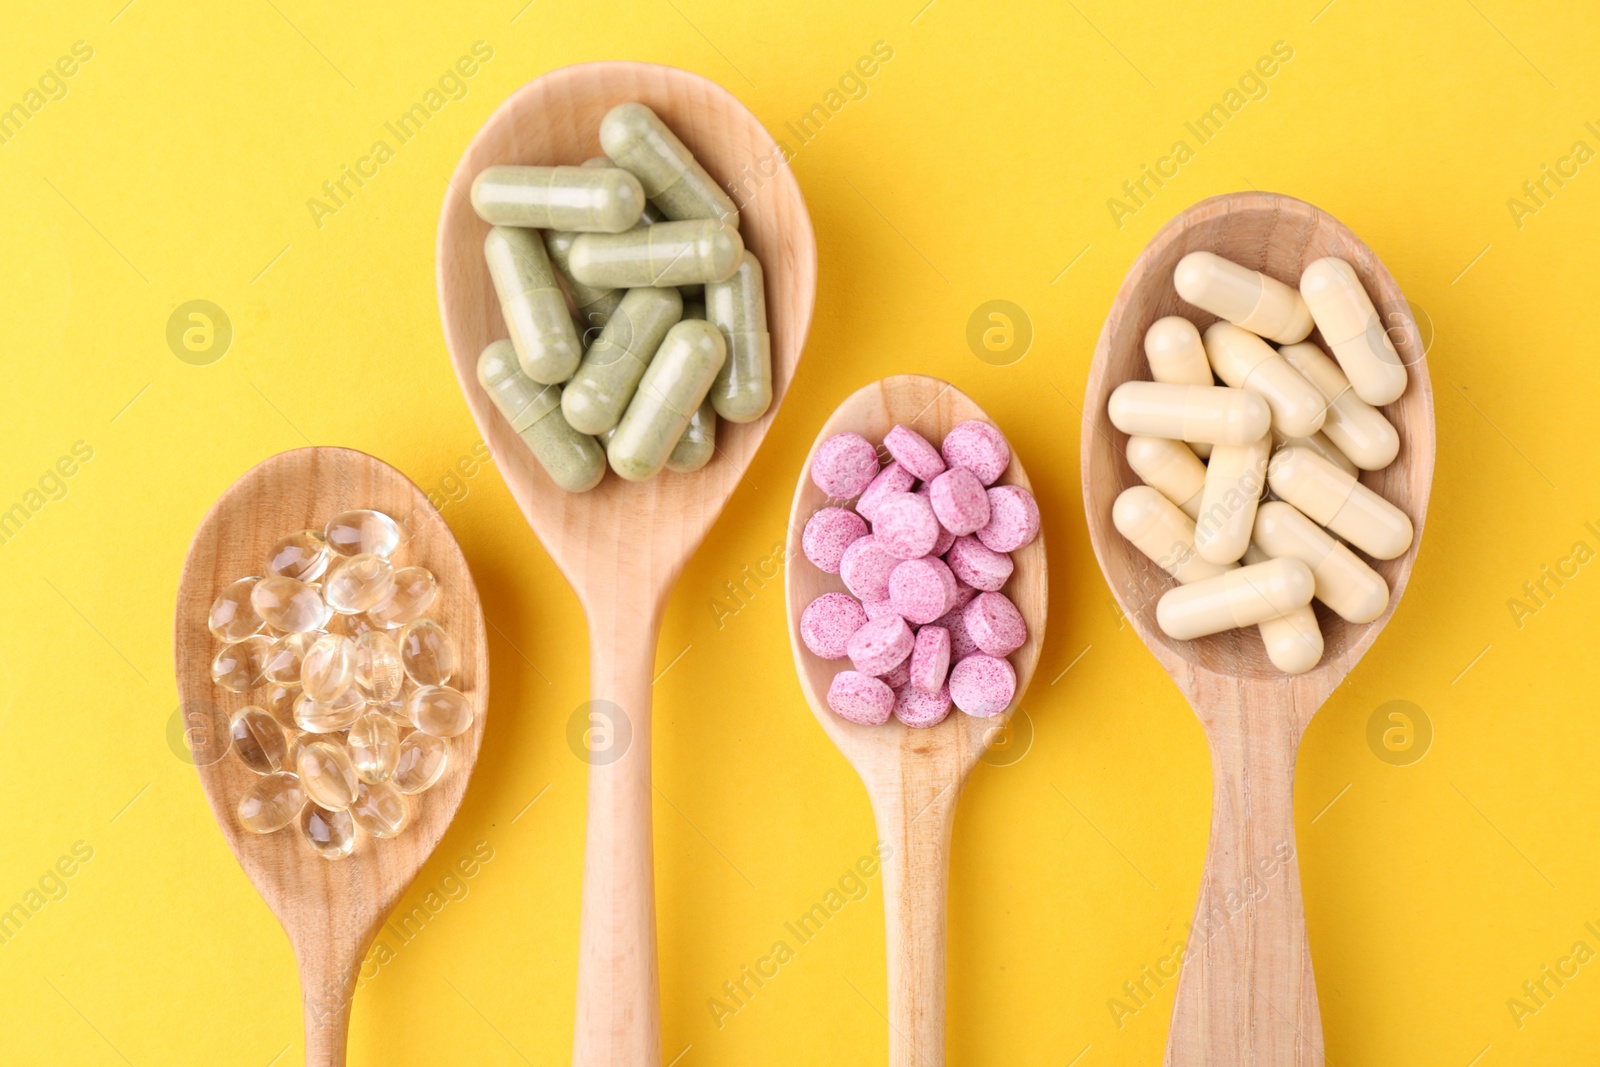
x=331, y=909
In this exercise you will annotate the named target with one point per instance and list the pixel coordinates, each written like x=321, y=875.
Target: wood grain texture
x=1247, y=994
x=622, y=545
x=330, y=909
x=913, y=777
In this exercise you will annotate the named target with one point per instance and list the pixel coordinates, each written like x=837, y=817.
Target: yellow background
x=977, y=167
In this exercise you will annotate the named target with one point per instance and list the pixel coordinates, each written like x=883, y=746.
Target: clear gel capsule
x=414, y=593
x=294, y=744
x=594, y=400
x=1243, y=596
x=595, y=303
x=381, y=810
x=1352, y=589
x=237, y=667
x=351, y=626
x=1245, y=361
x=586, y=199
x=329, y=667
x=1293, y=640
x=356, y=583
x=398, y=710
x=421, y=763
x=441, y=711
x=327, y=775
x=1234, y=481
x=271, y=803
x=1190, y=412
x=573, y=460
x=1177, y=356
x=698, y=443
x=635, y=138
x=289, y=605
x=374, y=746
x=331, y=834
x=1356, y=427
x=1170, y=468
x=668, y=253
x=303, y=555
x=282, y=666
x=351, y=533
x=673, y=386
x=427, y=652
x=1157, y=528
x=378, y=673
x=231, y=617
x=1352, y=329
x=279, y=702
x=737, y=306
x=1247, y=298
x=328, y=717
x=1319, y=444
x=1332, y=498
x=531, y=301
x=257, y=740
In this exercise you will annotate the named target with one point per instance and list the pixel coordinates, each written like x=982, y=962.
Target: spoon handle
x=619, y=1020
x=328, y=975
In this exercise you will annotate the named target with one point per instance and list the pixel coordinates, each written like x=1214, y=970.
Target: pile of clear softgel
x=924, y=554
x=667, y=325
x=352, y=712
x=1285, y=418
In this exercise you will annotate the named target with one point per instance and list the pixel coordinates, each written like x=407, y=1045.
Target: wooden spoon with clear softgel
x=623, y=544
x=1247, y=994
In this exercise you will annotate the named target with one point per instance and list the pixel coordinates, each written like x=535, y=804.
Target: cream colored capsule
x=673, y=387
x=558, y=198
x=1319, y=444
x=1245, y=361
x=1332, y=498
x=1242, y=597
x=635, y=138
x=1293, y=640
x=531, y=301
x=1352, y=589
x=1234, y=480
x=1190, y=412
x=1350, y=324
x=1177, y=357
x=1168, y=467
x=1247, y=298
x=1358, y=428
x=1157, y=528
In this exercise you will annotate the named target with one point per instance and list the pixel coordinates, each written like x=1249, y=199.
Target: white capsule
x=1332, y=498
x=1318, y=444
x=1293, y=640
x=1234, y=480
x=1358, y=428
x=1157, y=528
x=1247, y=298
x=1351, y=327
x=1189, y=412
x=1177, y=357
x=1352, y=589
x=1170, y=468
x=1245, y=361
x=1241, y=597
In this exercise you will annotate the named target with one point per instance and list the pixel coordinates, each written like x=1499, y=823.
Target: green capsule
x=673, y=386
x=594, y=400
x=573, y=460
x=737, y=306
x=636, y=139
x=699, y=441
x=585, y=199
x=595, y=303
x=535, y=311
x=667, y=253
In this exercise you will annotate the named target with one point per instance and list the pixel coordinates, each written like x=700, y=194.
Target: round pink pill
x=904, y=526
x=1013, y=519
x=923, y=589
x=892, y=479
x=964, y=592
x=899, y=676
x=959, y=501
x=860, y=699
x=978, y=565
x=879, y=609
x=983, y=686
x=995, y=624
x=865, y=568
x=828, y=533
x=979, y=448
x=880, y=645
x=828, y=622
x=844, y=465
x=961, y=643
x=913, y=452
x=920, y=708
x=930, y=657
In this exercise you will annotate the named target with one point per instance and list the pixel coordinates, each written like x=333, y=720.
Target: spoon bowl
x=331, y=910
x=1247, y=993
x=912, y=776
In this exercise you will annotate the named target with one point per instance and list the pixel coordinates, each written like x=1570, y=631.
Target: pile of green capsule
x=666, y=329
x=351, y=713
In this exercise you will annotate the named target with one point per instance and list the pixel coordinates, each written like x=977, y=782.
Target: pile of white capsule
x=666, y=330
x=354, y=713
x=1286, y=419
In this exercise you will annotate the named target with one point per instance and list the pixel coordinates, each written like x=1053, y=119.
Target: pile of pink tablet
x=924, y=554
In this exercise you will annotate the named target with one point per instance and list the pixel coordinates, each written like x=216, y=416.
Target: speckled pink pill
x=892, y=479
x=844, y=465
x=865, y=568
x=880, y=645
x=860, y=699
x=828, y=533
x=930, y=657
x=919, y=708
x=961, y=643
x=879, y=609
x=899, y=676
x=921, y=590
x=913, y=452
x=828, y=622
x=946, y=538
x=995, y=624
x=964, y=592
x=978, y=447
x=982, y=686
x=905, y=527
x=978, y=565
x=1013, y=519
x=959, y=501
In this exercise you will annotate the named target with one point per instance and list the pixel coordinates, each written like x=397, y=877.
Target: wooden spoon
x=1247, y=994
x=331, y=909
x=622, y=545
x=912, y=776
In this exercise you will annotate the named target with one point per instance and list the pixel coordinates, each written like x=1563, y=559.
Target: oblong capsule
x=666, y=253
x=1247, y=298
x=1319, y=444
x=1350, y=325
x=1177, y=356
x=1234, y=480
x=594, y=400
x=1293, y=640
x=635, y=138
x=271, y=803
x=1352, y=589
x=737, y=306
x=699, y=441
x=673, y=386
x=1358, y=428
x=1242, y=597
x=594, y=303
x=574, y=461
x=1157, y=528
x=1330, y=497
x=584, y=199
x=1245, y=361
x=1210, y=413
x=1170, y=469
x=531, y=301
x=327, y=774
